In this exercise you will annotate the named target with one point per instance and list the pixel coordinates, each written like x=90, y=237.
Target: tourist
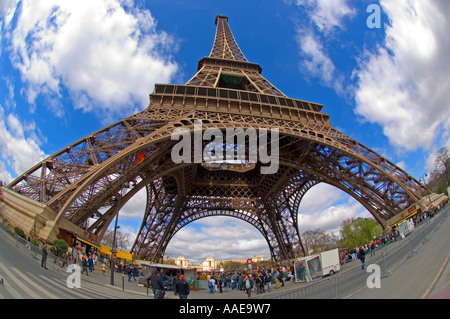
x=157, y=284
x=248, y=285
x=211, y=285
x=362, y=257
x=44, y=256
x=269, y=280
x=182, y=288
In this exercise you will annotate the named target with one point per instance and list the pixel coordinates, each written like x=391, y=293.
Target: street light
x=118, y=199
x=423, y=179
x=113, y=249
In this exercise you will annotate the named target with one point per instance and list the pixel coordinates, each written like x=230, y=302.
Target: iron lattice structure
x=81, y=181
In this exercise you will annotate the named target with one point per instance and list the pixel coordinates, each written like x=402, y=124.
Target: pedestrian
x=269, y=281
x=129, y=272
x=354, y=254
x=182, y=288
x=157, y=284
x=280, y=277
x=258, y=283
x=362, y=257
x=372, y=249
x=174, y=284
x=90, y=262
x=44, y=256
x=219, y=283
x=211, y=285
x=84, y=265
x=135, y=273
x=248, y=285
x=239, y=281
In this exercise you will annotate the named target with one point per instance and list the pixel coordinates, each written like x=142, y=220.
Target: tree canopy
x=359, y=231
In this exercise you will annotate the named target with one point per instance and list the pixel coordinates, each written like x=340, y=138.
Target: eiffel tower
x=87, y=182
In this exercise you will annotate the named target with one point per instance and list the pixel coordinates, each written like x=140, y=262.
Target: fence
x=53, y=262
x=346, y=283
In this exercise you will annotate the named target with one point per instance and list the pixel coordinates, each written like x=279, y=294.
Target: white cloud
x=230, y=238
x=324, y=207
x=135, y=207
x=107, y=57
x=19, y=146
x=316, y=62
x=327, y=15
x=404, y=86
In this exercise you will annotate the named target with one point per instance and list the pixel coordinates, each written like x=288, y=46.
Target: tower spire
x=227, y=66
x=225, y=46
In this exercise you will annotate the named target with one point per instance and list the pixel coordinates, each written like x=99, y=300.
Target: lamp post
x=423, y=179
x=118, y=200
x=113, y=249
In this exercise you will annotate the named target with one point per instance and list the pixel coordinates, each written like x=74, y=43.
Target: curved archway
x=220, y=236
x=325, y=206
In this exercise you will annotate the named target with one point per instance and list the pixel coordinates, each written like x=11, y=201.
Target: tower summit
x=227, y=94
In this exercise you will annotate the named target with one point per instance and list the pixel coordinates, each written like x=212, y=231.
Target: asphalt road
x=424, y=275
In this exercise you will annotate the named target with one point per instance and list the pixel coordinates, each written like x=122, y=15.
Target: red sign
x=249, y=261
x=114, y=257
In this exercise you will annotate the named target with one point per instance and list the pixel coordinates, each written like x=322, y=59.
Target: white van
x=316, y=266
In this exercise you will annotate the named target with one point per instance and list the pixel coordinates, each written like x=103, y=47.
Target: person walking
x=84, y=265
x=157, y=284
x=219, y=283
x=248, y=285
x=44, y=256
x=258, y=282
x=211, y=285
x=372, y=249
x=90, y=263
x=182, y=288
x=362, y=257
x=129, y=272
x=269, y=280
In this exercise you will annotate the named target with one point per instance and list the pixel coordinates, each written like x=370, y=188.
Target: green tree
x=61, y=246
x=359, y=231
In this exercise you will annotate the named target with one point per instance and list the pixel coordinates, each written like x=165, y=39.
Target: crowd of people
x=87, y=257
x=259, y=280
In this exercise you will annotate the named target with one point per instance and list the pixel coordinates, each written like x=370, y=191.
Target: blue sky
x=69, y=68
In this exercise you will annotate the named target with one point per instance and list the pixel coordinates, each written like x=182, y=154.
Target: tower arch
x=227, y=92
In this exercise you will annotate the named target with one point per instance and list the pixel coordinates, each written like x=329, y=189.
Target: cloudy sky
x=380, y=68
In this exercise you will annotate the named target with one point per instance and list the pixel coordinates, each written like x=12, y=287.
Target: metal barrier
x=346, y=283
x=53, y=262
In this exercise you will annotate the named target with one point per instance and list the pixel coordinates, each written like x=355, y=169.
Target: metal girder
x=81, y=181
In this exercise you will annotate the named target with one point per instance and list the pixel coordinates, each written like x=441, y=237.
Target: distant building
x=257, y=259
x=183, y=262
x=209, y=264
